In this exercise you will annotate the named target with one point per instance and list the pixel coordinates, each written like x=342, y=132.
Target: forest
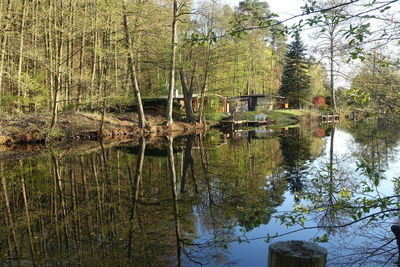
x=113, y=149
x=100, y=56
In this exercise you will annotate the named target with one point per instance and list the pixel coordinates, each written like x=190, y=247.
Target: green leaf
x=385, y=8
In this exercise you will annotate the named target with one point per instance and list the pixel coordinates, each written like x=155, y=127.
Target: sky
x=284, y=8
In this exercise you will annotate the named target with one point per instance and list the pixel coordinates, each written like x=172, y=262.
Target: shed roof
x=237, y=98
x=263, y=95
x=180, y=96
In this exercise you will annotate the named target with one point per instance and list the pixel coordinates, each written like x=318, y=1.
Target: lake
x=217, y=199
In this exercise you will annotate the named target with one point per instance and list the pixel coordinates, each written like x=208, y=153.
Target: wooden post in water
x=296, y=254
x=396, y=231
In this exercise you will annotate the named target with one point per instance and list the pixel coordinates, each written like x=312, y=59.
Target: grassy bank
x=282, y=117
x=287, y=117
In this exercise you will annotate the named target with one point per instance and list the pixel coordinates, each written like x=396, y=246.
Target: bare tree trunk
x=187, y=96
x=271, y=68
x=132, y=69
x=49, y=54
x=235, y=70
x=94, y=58
x=81, y=57
x=205, y=81
x=20, y=58
x=4, y=45
x=54, y=113
x=116, y=73
x=103, y=113
x=70, y=55
x=104, y=71
x=171, y=87
x=58, y=62
x=331, y=48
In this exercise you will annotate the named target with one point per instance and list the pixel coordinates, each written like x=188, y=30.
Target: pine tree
x=296, y=80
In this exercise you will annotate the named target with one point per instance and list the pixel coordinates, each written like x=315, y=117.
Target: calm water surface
x=211, y=199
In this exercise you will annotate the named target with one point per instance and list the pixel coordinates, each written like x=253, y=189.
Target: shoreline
x=33, y=129
x=28, y=129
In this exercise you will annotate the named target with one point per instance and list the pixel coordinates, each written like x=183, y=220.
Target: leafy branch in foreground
x=336, y=205
x=344, y=206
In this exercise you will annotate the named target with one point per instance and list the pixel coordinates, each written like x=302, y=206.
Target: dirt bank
x=34, y=128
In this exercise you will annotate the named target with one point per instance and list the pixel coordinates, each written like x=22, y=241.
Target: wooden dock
x=235, y=124
x=329, y=117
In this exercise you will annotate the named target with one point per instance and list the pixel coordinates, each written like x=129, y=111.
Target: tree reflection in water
x=181, y=201
x=355, y=205
x=297, y=153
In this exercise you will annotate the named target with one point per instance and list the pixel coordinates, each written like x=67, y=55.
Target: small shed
x=265, y=102
x=237, y=104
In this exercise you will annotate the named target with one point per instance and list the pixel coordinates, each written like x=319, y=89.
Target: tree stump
x=396, y=231
x=296, y=254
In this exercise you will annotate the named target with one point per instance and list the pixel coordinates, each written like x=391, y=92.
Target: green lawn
x=283, y=117
x=286, y=117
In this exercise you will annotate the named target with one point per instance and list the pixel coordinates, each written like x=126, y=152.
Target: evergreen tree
x=296, y=80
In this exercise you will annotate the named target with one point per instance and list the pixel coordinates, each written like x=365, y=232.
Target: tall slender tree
x=174, y=40
x=132, y=68
x=331, y=39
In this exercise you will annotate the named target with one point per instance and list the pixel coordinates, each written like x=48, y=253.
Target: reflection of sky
x=255, y=252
